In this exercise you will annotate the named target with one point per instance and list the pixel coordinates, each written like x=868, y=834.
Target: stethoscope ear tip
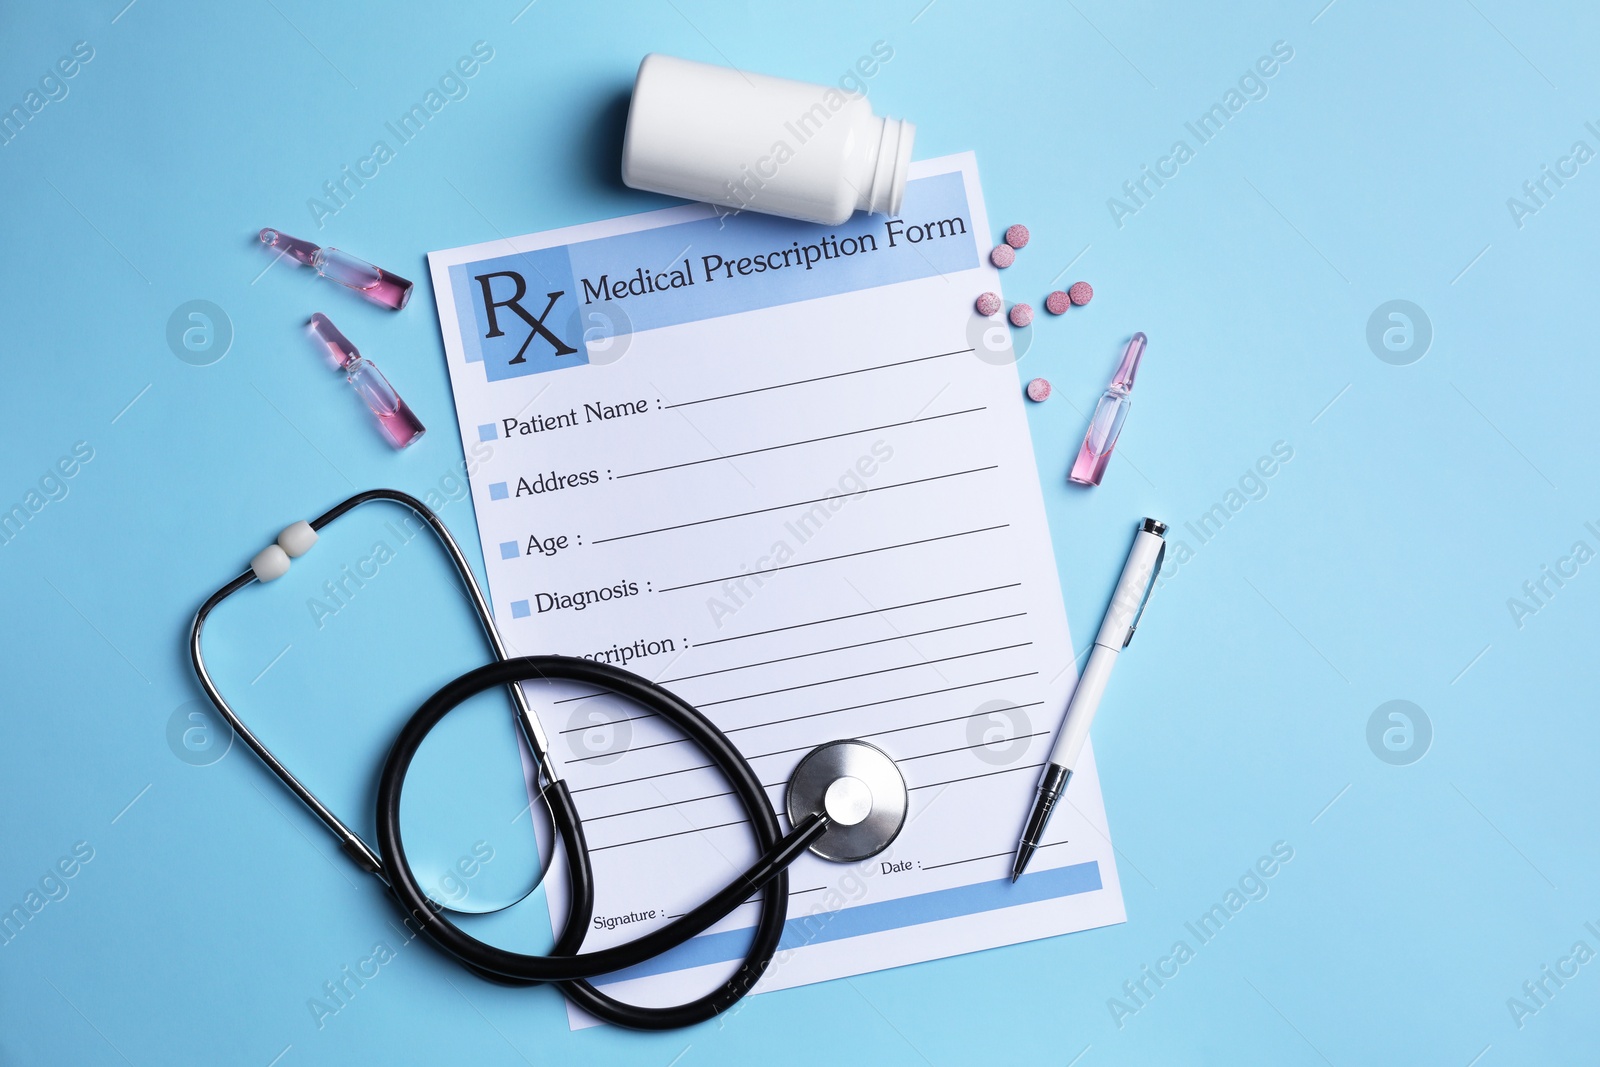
x=861, y=791
x=295, y=541
x=270, y=564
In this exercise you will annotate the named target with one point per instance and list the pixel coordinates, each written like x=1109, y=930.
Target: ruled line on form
x=806, y=441
x=812, y=685
x=972, y=777
x=875, y=733
x=855, y=615
x=818, y=378
x=795, y=504
x=830, y=711
x=902, y=758
x=830, y=559
x=841, y=648
x=867, y=674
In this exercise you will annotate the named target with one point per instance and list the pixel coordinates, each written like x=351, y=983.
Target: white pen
x=1116, y=630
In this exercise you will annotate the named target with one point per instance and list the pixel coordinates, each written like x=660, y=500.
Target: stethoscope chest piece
x=862, y=792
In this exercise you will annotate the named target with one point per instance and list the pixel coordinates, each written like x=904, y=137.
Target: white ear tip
x=297, y=539
x=271, y=562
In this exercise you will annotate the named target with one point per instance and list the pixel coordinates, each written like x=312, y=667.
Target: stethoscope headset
x=846, y=801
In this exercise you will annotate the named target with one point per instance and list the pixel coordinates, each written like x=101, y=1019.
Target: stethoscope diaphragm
x=862, y=792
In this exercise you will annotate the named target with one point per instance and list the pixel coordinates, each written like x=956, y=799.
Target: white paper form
x=760, y=462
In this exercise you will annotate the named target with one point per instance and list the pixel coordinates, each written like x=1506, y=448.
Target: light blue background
x=1378, y=567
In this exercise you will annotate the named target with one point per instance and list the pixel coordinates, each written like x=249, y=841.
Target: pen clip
x=1155, y=569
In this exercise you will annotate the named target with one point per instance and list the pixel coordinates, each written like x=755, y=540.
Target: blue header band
x=535, y=311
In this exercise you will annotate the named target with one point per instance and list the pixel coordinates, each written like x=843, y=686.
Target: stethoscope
x=846, y=801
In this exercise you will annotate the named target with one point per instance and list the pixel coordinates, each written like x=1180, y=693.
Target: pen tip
x=1014, y=876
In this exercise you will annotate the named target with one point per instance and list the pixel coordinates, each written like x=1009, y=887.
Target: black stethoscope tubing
x=565, y=965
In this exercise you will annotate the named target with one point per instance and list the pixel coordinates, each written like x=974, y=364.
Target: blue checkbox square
x=509, y=550
x=498, y=491
x=488, y=432
x=520, y=609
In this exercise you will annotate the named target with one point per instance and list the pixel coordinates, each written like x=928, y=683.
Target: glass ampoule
x=1109, y=414
x=395, y=418
x=372, y=282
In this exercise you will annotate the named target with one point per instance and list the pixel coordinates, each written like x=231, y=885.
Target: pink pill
x=1021, y=314
x=1038, y=389
x=1003, y=256
x=1080, y=293
x=1057, y=303
x=1017, y=236
x=988, y=303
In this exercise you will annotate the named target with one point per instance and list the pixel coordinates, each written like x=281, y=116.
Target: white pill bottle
x=748, y=142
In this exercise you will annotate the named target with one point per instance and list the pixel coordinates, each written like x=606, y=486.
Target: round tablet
x=1003, y=256
x=1057, y=303
x=1017, y=236
x=1021, y=314
x=1080, y=293
x=988, y=303
x=1038, y=389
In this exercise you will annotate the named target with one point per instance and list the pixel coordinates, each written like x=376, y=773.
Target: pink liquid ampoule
x=395, y=418
x=372, y=282
x=1104, y=428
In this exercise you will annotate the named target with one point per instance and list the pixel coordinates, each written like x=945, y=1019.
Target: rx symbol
x=536, y=326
